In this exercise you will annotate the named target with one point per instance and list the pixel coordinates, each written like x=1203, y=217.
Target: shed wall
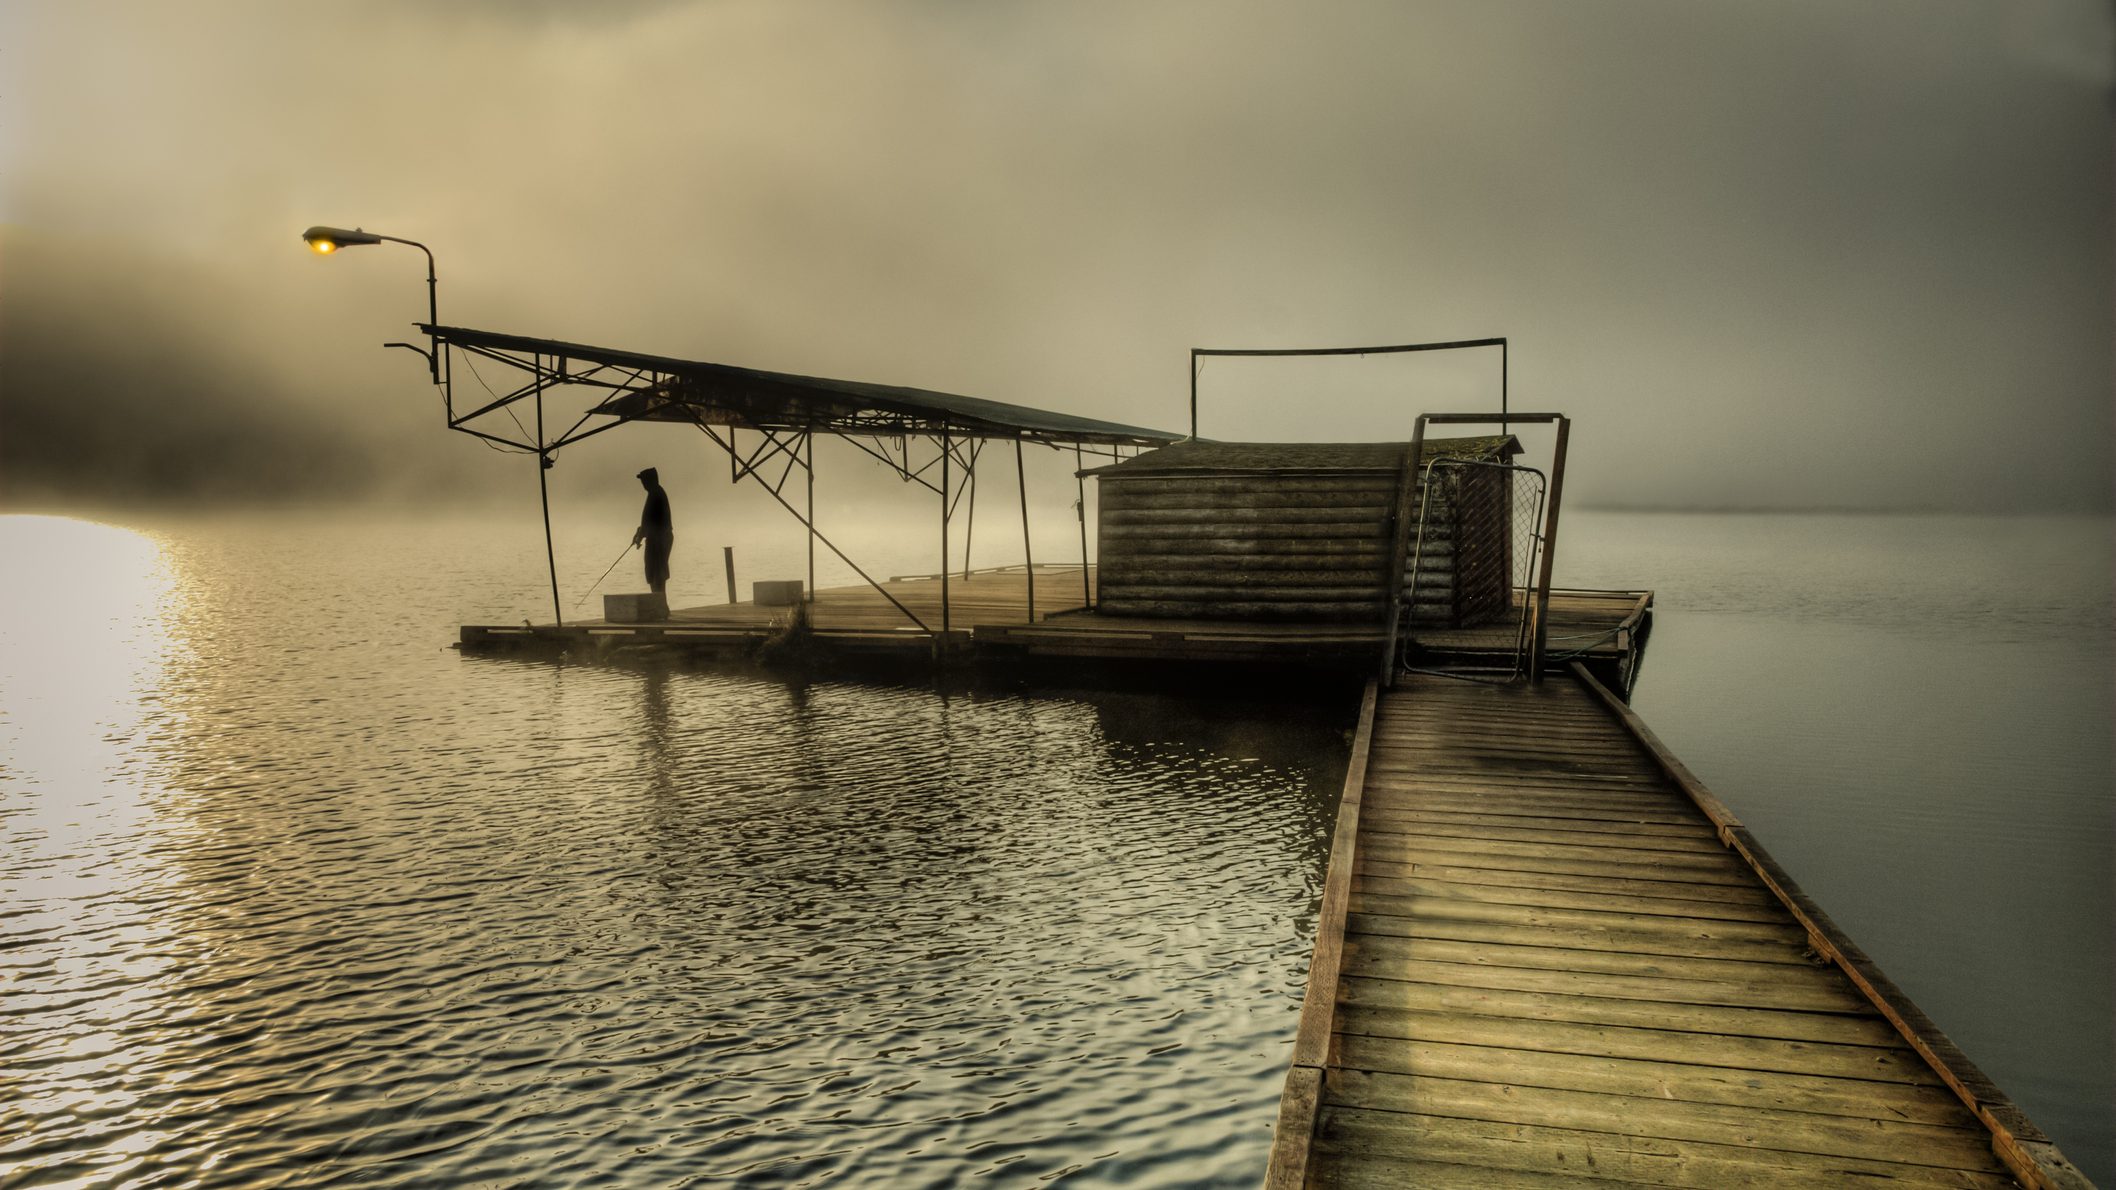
x=1280, y=546
x=1309, y=547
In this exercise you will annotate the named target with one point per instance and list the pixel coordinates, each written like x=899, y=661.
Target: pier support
x=946, y=447
x=543, y=492
x=1028, y=552
x=1087, y=592
x=808, y=520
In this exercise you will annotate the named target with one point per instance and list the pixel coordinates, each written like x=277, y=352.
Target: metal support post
x=809, y=522
x=1399, y=546
x=543, y=491
x=1028, y=552
x=1087, y=592
x=969, y=532
x=945, y=446
x=1550, y=549
x=1193, y=393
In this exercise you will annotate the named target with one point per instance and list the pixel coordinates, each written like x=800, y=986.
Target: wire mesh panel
x=1471, y=569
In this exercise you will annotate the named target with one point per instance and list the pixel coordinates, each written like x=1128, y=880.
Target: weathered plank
x=1712, y=1019
x=1389, y=1173
x=1415, y=825
x=1857, y=1098
x=1292, y=1140
x=1403, y=1145
x=1781, y=934
x=1733, y=1051
x=1475, y=800
x=1522, y=858
x=1440, y=820
x=1900, y=1141
x=1479, y=952
x=1693, y=943
x=1795, y=995
x=1480, y=869
x=1503, y=894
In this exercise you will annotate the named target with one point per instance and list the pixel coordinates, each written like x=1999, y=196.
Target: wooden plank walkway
x=1547, y=956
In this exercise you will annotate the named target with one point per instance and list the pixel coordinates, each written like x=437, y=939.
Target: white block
x=634, y=609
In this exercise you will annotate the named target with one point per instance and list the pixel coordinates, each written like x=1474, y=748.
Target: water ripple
x=310, y=901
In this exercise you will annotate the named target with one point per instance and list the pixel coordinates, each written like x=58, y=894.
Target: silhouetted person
x=658, y=530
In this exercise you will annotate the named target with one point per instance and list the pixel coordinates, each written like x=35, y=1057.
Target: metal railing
x=1498, y=543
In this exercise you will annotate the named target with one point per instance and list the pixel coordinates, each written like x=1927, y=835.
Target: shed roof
x=1248, y=458
x=669, y=389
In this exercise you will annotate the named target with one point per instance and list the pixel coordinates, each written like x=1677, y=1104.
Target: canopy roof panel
x=694, y=391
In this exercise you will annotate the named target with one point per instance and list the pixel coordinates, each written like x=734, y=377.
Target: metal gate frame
x=1538, y=598
x=1523, y=625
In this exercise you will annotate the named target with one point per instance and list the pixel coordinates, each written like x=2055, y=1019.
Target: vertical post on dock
x=1550, y=545
x=1087, y=593
x=969, y=532
x=1028, y=552
x=809, y=449
x=543, y=491
x=945, y=447
x=1193, y=393
x=1399, y=548
x=727, y=555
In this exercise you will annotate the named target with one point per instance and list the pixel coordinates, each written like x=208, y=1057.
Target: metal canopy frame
x=1199, y=353
x=785, y=412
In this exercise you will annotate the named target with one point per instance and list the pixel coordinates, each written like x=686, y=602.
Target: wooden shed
x=1301, y=531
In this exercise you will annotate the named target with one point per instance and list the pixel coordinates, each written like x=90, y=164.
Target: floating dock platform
x=990, y=618
x=1547, y=955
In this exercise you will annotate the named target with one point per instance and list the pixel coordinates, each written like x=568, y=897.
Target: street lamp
x=325, y=240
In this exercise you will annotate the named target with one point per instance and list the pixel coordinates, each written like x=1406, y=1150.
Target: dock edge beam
x=1300, y=1105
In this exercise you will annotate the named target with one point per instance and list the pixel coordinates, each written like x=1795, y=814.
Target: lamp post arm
x=433, y=310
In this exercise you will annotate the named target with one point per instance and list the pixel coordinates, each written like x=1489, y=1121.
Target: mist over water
x=1915, y=715
x=1802, y=254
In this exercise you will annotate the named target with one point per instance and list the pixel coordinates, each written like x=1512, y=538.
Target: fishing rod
x=605, y=574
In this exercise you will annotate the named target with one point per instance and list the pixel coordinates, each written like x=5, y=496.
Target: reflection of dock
x=989, y=618
x=1547, y=955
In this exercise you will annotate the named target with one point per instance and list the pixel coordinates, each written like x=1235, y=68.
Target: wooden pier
x=1547, y=956
x=989, y=617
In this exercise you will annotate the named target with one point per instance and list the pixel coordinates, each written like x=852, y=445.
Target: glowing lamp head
x=325, y=240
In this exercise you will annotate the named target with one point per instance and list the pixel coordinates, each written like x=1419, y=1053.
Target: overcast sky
x=1765, y=254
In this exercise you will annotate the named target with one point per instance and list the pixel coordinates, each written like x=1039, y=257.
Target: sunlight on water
x=86, y=632
x=85, y=627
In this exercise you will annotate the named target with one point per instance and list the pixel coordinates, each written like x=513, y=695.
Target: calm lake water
x=293, y=894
